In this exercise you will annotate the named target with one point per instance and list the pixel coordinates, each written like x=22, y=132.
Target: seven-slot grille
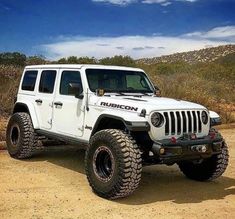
x=179, y=122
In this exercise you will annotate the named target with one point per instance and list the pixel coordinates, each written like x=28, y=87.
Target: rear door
x=44, y=98
x=69, y=111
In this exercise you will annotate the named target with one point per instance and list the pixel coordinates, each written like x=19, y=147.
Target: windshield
x=118, y=81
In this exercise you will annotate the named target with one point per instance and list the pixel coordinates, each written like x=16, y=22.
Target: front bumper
x=185, y=148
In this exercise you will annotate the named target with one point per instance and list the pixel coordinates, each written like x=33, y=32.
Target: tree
x=72, y=60
x=62, y=61
x=87, y=60
x=118, y=60
x=76, y=60
x=36, y=60
x=12, y=58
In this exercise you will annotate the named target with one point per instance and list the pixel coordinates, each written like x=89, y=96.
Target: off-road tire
x=127, y=160
x=27, y=143
x=209, y=169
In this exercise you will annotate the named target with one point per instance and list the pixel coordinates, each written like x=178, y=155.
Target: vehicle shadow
x=69, y=156
x=159, y=182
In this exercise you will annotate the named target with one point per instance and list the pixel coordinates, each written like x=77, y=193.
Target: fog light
x=161, y=151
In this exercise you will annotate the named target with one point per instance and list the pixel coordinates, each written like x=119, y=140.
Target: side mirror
x=157, y=91
x=75, y=90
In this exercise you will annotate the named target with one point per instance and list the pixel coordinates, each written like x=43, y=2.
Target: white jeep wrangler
x=117, y=114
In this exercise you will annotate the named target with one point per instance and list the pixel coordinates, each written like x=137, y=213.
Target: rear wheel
x=21, y=139
x=113, y=164
x=209, y=169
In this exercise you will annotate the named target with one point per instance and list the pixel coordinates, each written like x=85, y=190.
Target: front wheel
x=209, y=169
x=113, y=164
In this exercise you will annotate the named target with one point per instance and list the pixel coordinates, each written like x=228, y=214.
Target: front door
x=44, y=98
x=68, y=113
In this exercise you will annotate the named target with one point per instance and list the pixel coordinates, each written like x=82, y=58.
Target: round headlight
x=157, y=119
x=205, y=117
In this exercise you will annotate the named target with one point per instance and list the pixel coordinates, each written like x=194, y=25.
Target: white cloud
x=165, y=2
x=155, y=1
x=116, y=2
x=127, y=2
x=226, y=32
x=136, y=46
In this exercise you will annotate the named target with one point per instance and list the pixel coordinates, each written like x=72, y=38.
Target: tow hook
x=199, y=148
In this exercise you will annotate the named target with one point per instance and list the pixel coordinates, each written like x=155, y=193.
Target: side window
x=47, y=81
x=29, y=80
x=69, y=80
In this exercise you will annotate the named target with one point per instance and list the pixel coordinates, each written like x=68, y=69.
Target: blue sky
x=99, y=28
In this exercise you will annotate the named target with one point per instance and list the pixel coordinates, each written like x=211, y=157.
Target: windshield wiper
x=117, y=92
x=128, y=93
x=120, y=93
x=145, y=94
x=142, y=94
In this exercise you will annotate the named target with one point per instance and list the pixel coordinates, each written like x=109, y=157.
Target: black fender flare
x=131, y=126
x=20, y=107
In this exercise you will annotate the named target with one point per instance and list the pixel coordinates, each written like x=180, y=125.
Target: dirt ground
x=53, y=185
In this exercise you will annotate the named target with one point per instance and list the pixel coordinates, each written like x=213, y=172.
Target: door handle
x=39, y=101
x=58, y=104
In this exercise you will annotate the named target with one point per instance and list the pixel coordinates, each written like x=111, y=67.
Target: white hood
x=149, y=103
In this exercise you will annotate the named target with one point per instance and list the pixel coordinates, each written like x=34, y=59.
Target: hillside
x=197, y=56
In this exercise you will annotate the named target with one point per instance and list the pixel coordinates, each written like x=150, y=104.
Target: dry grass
x=9, y=81
x=3, y=125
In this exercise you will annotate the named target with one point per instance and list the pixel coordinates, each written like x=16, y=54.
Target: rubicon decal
x=119, y=106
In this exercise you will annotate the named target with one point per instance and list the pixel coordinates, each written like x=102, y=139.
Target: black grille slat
x=184, y=122
x=189, y=121
x=199, y=122
x=167, y=131
x=178, y=123
x=172, y=123
x=194, y=121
